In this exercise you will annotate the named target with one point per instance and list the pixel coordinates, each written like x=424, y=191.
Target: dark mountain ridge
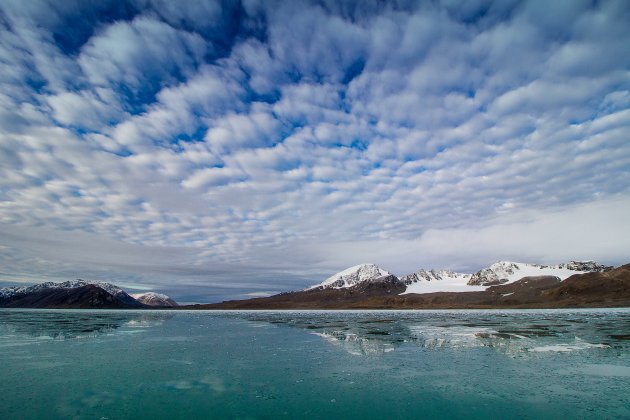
x=76, y=294
x=89, y=296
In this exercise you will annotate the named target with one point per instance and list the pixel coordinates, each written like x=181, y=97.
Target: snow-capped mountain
x=432, y=281
x=8, y=292
x=351, y=277
x=507, y=272
x=73, y=293
x=154, y=299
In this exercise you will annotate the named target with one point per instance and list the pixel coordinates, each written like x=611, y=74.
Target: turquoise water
x=315, y=364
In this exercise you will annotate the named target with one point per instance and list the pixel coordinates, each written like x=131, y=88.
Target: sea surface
x=315, y=364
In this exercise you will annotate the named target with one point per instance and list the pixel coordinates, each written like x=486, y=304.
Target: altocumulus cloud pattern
x=258, y=146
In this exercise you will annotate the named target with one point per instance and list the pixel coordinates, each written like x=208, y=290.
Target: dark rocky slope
x=89, y=296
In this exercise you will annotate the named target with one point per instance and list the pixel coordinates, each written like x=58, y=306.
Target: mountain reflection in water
x=514, y=333
x=68, y=324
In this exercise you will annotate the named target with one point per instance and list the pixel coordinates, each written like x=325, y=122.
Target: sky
x=219, y=150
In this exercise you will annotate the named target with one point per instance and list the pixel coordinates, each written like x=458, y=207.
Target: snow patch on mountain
x=351, y=276
x=433, y=275
x=432, y=281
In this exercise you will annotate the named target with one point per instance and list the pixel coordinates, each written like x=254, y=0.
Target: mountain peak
x=352, y=276
x=154, y=299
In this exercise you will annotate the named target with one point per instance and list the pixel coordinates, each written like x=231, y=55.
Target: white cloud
x=139, y=53
x=89, y=110
x=234, y=131
x=211, y=177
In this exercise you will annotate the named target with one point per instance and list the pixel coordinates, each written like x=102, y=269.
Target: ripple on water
x=604, y=370
x=568, y=347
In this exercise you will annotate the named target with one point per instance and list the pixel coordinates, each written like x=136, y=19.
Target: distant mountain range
x=79, y=294
x=427, y=281
x=503, y=284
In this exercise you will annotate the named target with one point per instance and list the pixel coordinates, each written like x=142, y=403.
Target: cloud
x=87, y=110
x=200, y=16
x=140, y=55
x=236, y=130
x=313, y=44
x=260, y=146
x=211, y=177
x=587, y=231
